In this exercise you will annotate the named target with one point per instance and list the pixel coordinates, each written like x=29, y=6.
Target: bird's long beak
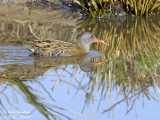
x=98, y=40
x=98, y=63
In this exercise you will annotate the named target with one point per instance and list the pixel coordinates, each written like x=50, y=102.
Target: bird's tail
x=30, y=48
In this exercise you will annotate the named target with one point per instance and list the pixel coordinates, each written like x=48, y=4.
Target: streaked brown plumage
x=51, y=47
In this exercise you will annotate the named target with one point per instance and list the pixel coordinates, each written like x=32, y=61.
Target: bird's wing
x=54, y=47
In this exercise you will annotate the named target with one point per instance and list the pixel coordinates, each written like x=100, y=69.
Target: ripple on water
x=14, y=55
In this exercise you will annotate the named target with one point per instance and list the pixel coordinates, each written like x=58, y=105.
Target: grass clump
x=94, y=7
x=100, y=8
x=142, y=7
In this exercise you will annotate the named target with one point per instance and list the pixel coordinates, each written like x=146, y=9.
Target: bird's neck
x=84, y=46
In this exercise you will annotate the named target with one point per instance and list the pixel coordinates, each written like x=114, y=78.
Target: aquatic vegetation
x=131, y=66
x=100, y=8
x=133, y=58
x=19, y=87
x=142, y=7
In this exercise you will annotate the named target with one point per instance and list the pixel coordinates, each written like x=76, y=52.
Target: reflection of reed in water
x=24, y=31
x=133, y=54
x=128, y=36
x=15, y=74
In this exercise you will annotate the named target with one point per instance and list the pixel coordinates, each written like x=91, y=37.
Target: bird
x=52, y=47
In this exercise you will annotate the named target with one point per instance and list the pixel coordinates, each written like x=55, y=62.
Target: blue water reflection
x=72, y=104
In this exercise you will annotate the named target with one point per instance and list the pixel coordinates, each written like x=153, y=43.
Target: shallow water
x=124, y=86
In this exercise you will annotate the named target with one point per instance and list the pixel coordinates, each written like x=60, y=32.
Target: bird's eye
x=91, y=36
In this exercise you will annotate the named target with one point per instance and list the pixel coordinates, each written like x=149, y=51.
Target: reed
x=96, y=8
x=142, y=7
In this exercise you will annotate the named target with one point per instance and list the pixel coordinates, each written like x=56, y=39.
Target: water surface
x=124, y=86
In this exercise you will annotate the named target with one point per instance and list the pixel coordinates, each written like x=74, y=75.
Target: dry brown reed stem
x=59, y=79
x=75, y=69
x=31, y=30
x=137, y=8
x=155, y=83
